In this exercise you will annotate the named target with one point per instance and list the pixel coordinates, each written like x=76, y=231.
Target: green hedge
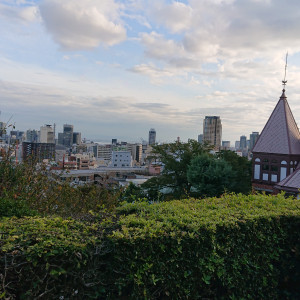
x=234, y=247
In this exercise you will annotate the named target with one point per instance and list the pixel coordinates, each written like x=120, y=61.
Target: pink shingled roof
x=292, y=181
x=281, y=134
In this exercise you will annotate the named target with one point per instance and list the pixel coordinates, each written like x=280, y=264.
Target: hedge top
x=189, y=216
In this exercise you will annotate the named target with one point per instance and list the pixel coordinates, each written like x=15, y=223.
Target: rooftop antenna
x=285, y=81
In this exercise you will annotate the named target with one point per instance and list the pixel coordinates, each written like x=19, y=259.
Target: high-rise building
x=200, y=138
x=32, y=135
x=243, y=142
x=253, y=138
x=152, y=136
x=212, y=131
x=68, y=135
x=77, y=138
x=38, y=151
x=47, y=134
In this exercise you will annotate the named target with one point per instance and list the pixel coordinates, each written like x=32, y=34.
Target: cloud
x=77, y=24
x=19, y=13
x=175, y=16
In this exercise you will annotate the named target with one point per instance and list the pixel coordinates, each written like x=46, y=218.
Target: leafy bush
x=28, y=189
x=234, y=247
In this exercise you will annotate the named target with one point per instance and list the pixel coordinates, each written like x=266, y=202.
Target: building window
x=274, y=168
x=291, y=170
x=265, y=167
x=265, y=176
x=282, y=173
x=274, y=161
x=256, y=171
x=265, y=160
x=257, y=160
x=273, y=178
x=284, y=162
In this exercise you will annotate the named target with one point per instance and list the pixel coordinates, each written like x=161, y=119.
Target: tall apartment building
x=212, y=131
x=38, y=151
x=104, y=152
x=152, y=136
x=46, y=134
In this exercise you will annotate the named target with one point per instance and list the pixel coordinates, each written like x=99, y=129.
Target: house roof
x=281, y=134
x=292, y=182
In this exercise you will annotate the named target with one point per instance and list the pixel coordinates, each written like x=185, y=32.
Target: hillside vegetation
x=232, y=247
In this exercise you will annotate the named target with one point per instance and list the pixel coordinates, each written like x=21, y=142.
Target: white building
x=46, y=134
x=121, y=159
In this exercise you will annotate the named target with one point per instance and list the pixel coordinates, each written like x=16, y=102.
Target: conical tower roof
x=281, y=134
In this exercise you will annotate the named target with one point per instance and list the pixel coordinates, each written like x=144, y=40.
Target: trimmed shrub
x=234, y=247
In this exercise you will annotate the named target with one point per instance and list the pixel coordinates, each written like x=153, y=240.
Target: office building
x=243, y=142
x=32, y=136
x=77, y=138
x=225, y=145
x=121, y=159
x=200, y=138
x=212, y=131
x=46, y=134
x=253, y=138
x=152, y=136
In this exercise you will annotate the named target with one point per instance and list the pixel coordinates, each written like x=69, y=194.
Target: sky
x=115, y=69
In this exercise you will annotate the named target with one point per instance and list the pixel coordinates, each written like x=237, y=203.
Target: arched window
x=257, y=159
x=284, y=162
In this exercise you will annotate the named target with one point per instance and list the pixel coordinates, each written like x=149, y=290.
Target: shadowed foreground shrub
x=232, y=247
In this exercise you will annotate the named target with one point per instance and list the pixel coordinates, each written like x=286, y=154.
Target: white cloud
x=175, y=16
x=77, y=24
x=20, y=13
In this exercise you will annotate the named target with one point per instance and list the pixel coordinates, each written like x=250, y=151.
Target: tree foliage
x=241, y=179
x=175, y=158
x=210, y=176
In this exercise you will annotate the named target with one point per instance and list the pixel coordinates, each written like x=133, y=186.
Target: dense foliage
x=189, y=169
x=28, y=189
x=233, y=247
x=209, y=176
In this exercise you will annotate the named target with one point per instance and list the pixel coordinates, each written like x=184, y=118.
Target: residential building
x=38, y=151
x=212, y=131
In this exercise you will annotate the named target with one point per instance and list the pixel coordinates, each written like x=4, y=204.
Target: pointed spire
x=281, y=134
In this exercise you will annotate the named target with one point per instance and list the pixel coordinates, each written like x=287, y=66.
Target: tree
x=209, y=176
x=242, y=167
x=175, y=158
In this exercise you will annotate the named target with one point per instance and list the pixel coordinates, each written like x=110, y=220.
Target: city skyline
x=119, y=68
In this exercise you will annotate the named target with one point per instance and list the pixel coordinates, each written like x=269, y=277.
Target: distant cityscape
x=46, y=144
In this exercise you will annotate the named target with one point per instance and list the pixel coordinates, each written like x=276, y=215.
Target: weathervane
x=285, y=81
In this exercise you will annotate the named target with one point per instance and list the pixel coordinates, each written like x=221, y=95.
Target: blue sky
x=115, y=69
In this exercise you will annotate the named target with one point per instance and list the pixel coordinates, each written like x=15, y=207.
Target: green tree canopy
x=175, y=158
x=242, y=166
x=209, y=176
